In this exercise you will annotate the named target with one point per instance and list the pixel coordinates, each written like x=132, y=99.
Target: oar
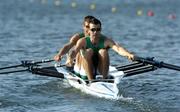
x=14, y=66
x=158, y=64
x=14, y=71
x=130, y=66
x=27, y=63
x=47, y=71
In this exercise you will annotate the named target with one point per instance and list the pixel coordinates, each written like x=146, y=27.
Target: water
x=35, y=29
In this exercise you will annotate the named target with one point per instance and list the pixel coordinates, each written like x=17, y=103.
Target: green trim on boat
x=81, y=76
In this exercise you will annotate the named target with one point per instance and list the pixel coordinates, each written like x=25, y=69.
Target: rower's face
x=86, y=28
x=94, y=30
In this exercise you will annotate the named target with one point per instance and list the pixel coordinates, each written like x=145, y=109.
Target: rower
x=94, y=45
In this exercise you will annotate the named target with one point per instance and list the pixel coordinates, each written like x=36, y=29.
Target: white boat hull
x=103, y=89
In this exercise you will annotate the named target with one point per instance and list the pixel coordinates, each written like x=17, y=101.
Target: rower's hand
x=131, y=57
x=57, y=57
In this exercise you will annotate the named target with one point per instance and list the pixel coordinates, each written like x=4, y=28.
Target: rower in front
x=92, y=49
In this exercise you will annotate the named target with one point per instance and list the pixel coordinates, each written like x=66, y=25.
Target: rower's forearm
x=124, y=52
x=64, y=50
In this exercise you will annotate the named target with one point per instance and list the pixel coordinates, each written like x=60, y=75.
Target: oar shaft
x=8, y=72
x=10, y=67
x=27, y=63
x=139, y=70
x=158, y=64
x=170, y=66
x=43, y=61
x=130, y=66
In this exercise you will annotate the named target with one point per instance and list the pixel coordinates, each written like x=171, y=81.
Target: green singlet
x=81, y=35
x=97, y=47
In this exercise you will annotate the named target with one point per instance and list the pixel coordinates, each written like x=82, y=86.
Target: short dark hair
x=95, y=21
x=88, y=18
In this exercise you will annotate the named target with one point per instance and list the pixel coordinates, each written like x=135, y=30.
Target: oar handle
x=44, y=61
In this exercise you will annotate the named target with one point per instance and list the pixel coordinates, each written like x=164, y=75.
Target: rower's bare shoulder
x=82, y=41
x=109, y=42
x=75, y=38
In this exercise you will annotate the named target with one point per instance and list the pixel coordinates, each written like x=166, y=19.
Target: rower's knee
x=103, y=53
x=89, y=53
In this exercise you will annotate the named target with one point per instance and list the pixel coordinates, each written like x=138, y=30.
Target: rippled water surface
x=36, y=29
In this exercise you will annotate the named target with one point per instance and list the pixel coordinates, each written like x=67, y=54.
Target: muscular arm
x=80, y=45
x=119, y=49
x=65, y=49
